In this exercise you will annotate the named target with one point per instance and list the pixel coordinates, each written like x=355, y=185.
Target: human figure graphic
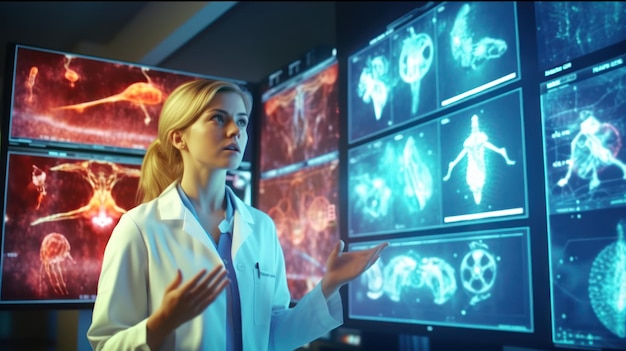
x=589, y=152
x=474, y=148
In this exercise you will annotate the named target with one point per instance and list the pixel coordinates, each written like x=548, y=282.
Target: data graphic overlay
x=588, y=258
x=483, y=162
x=68, y=100
x=568, y=30
x=478, y=45
x=584, y=118
x=446, y=55
x=394, y=183
x=59, y=212
x=303, y=204
x=476, y=280
x=301, y=118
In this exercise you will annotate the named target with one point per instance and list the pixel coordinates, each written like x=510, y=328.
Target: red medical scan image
x=301, y=121
x=64, y=98
x=59, y=215
x=303, y=205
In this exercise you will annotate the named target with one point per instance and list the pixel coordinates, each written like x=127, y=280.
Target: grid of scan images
x=443, y=113
x=583, y=109
x=76, y=134
x=299, y=170
x=436, y=144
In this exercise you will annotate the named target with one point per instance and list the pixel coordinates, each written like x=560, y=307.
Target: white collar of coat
x=171, y=207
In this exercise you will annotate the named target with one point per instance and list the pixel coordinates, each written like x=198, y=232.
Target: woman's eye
x=218, y=118
x=242, y=122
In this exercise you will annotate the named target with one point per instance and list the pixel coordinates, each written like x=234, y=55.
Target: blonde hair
x=162, y=163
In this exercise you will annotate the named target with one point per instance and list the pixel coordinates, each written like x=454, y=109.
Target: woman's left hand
x=342, y=267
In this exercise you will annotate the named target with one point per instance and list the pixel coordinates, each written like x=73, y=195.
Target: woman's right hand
x=182, y=302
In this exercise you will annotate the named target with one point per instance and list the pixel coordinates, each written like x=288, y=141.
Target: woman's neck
x=207, y=194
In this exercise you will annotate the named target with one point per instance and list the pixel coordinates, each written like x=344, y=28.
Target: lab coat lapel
x=171, y=208
x=242, y=222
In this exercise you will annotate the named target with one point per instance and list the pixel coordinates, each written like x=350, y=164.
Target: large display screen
x=299, y=170
x=465, y=166
x=472, y=280
x=60, y=210
x=445, y=56
x=584, y=118
x=66, y=100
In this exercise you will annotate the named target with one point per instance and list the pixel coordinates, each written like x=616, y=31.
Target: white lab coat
x=155, y=239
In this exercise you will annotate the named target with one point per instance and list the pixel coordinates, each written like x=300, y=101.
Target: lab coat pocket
x=264, y=284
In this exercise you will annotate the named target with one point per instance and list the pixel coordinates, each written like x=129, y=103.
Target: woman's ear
x=176, y=138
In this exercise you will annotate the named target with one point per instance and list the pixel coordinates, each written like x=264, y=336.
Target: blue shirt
x=224, y=248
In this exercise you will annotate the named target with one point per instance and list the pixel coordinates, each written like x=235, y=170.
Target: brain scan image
x=303, y=205
x=56, y=227
x=452, y=279
x=62, y=98
x=302, y=121
x=567, y=30
x=589, y=279
x=393, y=183
x=483, y=161
x=477, y=46
x=584, y=132
x=413, y=60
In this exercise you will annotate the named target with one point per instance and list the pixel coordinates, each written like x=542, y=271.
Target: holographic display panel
x=483, y=160
x=466, y=166
x=479, y=280
x=69, y=100
x=584, y=119
x=567, y=30
x=59, y=212
x=301, y=118
x=588, y=260
x=394, y=183
x=453, y=52
x=303, y=204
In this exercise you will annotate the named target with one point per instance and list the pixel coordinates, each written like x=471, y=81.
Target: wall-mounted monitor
x=467, y=166
x=569, y=31
x=65, y=100
x=59, y=211
x=451, y=53
x=476, y=280
x=304, y=206
x=584, y=120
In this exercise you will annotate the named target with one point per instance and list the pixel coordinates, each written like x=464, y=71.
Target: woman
x=193, y=267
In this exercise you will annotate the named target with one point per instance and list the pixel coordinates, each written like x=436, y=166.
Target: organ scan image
x=393, y=183
x=567, y=30
x=483, y=168
x=301, y=121
x=477, y=43
x=588, y=279
x=59, y=215
x=371, y=79
x=413, y=62
x=474, y=280
x=584, y=132
x=63, y=98
x=304, y=206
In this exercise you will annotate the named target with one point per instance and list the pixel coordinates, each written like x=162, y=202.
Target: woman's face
x=218, y=138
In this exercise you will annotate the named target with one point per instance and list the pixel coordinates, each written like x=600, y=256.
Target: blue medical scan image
x=567, y=30
x=393, y=183
x=584, y=132
x=413, y=51
x=588, y=257
x=477, y=48
x=483, y=167
x=370, y=81
x=473, y=280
